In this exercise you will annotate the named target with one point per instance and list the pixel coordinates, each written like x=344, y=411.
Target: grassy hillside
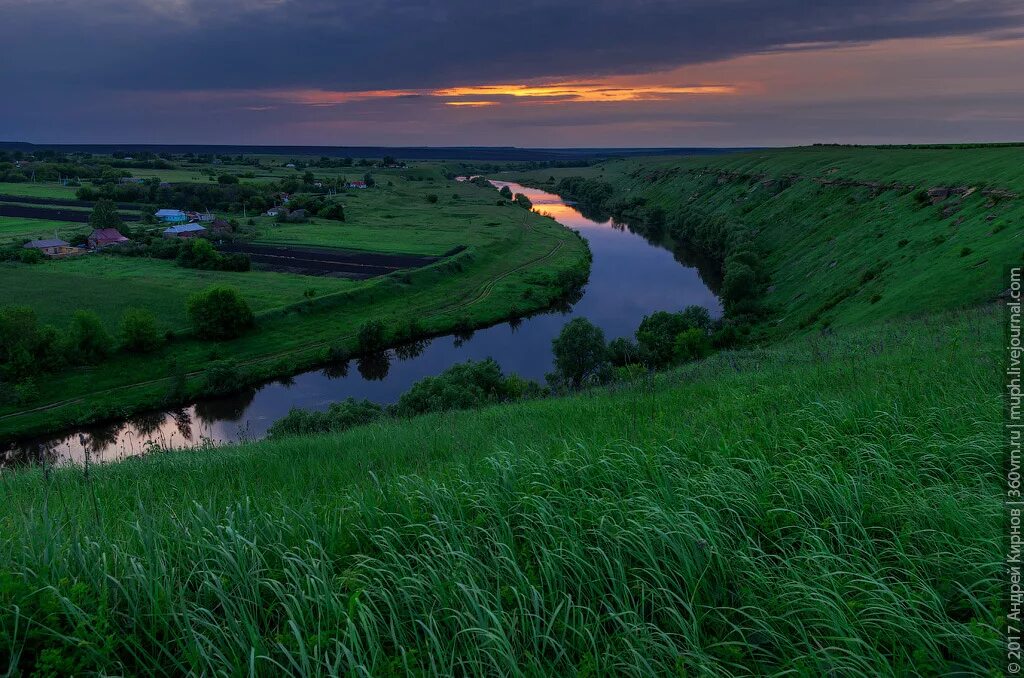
x=829, y=506
x=847, y=235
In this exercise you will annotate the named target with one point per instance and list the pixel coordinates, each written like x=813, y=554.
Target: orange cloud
x=471, y=104
x=587, y=92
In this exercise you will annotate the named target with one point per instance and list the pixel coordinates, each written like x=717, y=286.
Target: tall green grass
x=826, y=507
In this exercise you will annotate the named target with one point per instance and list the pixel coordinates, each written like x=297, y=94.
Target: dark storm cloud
x=216, y=44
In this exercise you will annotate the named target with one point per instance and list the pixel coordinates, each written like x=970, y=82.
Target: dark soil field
x=328, y=262
x=53, y=213
x=64, y=202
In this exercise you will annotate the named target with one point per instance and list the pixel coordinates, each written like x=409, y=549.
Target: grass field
x=829, y=506
x=109, y=284
x=399, y=219
x=47, y=190
x=847, y=238
x=15, y=229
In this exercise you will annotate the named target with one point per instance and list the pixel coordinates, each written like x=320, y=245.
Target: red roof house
x=104, y=237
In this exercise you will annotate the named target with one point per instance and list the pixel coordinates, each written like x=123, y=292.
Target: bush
x=966, y=251
x=139, y=333
x=333, y=211
x=656, y=336
x=225, y=179
x=580, y=353
x=219, y=313
x=222, y=377
x=462, y=386
x=691, y=344
x=371, y=336
x=432, y=198
x=739, y=282
x=88, y=338
x=30, y=256
x=338, y=417
x=622, y=351
x=26, y=348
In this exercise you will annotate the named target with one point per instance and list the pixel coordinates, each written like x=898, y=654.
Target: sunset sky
x=528, y=73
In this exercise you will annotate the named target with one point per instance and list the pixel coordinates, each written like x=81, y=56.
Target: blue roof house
x=172, y=216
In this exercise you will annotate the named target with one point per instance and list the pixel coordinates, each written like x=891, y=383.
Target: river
x=630, y=278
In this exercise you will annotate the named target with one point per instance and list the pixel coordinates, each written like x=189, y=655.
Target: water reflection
x=631, y=276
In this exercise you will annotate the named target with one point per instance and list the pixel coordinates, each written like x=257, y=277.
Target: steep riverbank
x=832, y=236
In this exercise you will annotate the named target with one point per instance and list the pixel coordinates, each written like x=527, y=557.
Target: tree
x=739, y=282
x=656, y=336
x=227, y=179
x=523, y=201
x=692, y=344
x=334, y=211
x=432, y=198
x=580, y=352
x=371, y=336
x=622, y=351
x=506, y=192
x=368, y=178
x=104, y=215
x=89, y=339
x=219, y=313
x=139, y=332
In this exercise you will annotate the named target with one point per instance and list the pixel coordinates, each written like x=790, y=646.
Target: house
x=199, y=216
x=172, y=216
x=190, y=230
x=275, y=211
x=51, y=248
x=290, y=165
x=220, y=227
x=104, y=237
x=356, y=184
x=131, y=180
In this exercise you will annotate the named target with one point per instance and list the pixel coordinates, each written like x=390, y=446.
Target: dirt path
x=482, y=293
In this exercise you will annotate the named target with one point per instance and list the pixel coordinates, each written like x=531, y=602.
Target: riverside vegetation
x=806, y=486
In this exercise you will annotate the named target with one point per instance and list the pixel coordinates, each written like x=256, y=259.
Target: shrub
x=580, y=353
x=739, y=282
x=462, y=386
x=622, y=351
x=692, y=344
x=139, y=333
x=222, y=377
x=333, y=211
x=338, y=417
x=371, y=336
x=30, y=256
x=656, y=336
x=225, y=179
x=219, y=313
x=966, y=251
x=432, y=198
x=88, y=338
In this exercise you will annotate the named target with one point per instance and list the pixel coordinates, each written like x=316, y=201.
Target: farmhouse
x=190, y=230
x=172, y=216
x=51, y=248
x=105, y=237
x=356, y=184
x=199, y=216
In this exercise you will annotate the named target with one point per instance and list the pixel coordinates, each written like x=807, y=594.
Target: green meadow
x=827, y=506
x=108, y=284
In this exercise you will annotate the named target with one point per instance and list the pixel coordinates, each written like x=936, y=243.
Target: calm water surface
x=630, y=278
